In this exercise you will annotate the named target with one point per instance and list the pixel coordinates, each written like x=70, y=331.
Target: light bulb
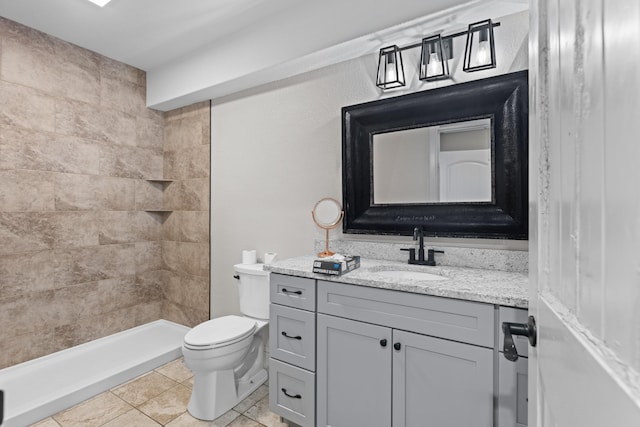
x=435, y=65
x=392, y=74
x=482, y=56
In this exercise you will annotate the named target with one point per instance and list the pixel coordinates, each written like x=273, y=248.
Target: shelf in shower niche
x=161, y=181
x=158, y=210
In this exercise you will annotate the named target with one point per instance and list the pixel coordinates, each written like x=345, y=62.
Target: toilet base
x=205, y=407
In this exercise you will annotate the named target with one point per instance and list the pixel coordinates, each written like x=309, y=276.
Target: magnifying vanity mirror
x=327, y=214
x=453, y=160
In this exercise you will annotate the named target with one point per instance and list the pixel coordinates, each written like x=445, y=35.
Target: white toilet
x=226, y=354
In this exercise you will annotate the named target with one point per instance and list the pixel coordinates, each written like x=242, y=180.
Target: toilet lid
x=221, y=331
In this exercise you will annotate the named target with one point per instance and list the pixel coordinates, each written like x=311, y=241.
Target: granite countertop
x=471, y=284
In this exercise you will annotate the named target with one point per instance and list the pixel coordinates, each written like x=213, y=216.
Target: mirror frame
x=503, y=99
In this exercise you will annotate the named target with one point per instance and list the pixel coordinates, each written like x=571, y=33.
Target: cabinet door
x=441, y=383
x=513, y=392
x=353, y=373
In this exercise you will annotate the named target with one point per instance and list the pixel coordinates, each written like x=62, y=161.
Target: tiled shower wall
x=185, y=233
x=80, y=258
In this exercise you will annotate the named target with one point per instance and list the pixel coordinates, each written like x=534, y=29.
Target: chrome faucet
x=418, y=234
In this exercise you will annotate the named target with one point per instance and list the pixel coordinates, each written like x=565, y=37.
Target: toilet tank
x=253, y=290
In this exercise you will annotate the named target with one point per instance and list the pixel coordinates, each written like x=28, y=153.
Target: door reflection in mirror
x=437, y=164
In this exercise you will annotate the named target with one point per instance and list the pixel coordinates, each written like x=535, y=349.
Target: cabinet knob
x=383, y=342
x=397, y=346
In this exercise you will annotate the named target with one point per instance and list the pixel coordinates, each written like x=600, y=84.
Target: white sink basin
x=407, y=274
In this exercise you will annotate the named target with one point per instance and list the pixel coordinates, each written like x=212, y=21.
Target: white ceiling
x=142, y=33
x=180, y=42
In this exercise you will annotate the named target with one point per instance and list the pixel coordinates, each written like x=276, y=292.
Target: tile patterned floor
x=159, y=398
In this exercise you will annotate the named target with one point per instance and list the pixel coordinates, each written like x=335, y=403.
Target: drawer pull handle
x=297, y=396
x=284, y=291
x=297, y=337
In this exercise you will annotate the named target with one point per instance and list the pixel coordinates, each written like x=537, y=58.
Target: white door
x=585, y=212
x=465, y=176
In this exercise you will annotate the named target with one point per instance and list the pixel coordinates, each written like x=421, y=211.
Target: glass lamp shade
x=390, y=69
x=480, y=52
x=433, y=61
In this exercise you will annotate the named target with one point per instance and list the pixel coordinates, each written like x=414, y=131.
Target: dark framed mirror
x=452, y=160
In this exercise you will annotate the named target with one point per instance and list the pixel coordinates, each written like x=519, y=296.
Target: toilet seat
x=220, y=332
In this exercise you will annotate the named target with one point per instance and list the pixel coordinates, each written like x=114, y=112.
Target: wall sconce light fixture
x=434, y=64
x=390, y=69
x=479, y=55
x=480, y=52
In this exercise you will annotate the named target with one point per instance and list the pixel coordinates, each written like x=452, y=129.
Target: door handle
x=528, y=330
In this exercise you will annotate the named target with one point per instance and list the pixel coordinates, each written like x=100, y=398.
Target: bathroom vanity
x=394, y=345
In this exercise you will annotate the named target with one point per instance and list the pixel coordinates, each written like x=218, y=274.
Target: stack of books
x=335, y=267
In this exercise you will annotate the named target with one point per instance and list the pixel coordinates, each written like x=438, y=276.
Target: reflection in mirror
x=436, y=164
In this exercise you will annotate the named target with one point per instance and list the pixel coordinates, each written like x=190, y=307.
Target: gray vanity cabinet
x=376, y=365
x=354, y=373
x=438, y=382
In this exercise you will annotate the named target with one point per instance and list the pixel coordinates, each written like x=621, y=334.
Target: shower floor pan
x=41, y=387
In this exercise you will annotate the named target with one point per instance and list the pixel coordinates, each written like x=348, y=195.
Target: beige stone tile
x=26, y=191
x=150, y=131
x=183, y=314
x=199, y=110
x=49, y=422
x=187, y=163
x=168, y=405
x=95, y=263
x=186, y=420
x=128, y=227
x=91, y=122
x=188, y=195
x=94, y=412
x=25, y=107
x=123, y=95
x=186, y=290
x=89, y=192
x=130, y=162
x=75, y=229
x=252, y=399
x=148, y=257
x=176, y=370
x=50, y=64
x=110, y=68
x=24, y=232
x=24, y=273
x=133, y=418
x=34, y=150
x=141, y=389
x=187, y=226
x=260, y=413
x=20, y=348
x=243, y=421
x=187, y=258
x=149, y=195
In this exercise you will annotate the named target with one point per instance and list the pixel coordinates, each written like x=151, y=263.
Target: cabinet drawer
x=292, y=393
x=296, y=292
x=457, y=320
x=292, y=336
x=513, y=315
